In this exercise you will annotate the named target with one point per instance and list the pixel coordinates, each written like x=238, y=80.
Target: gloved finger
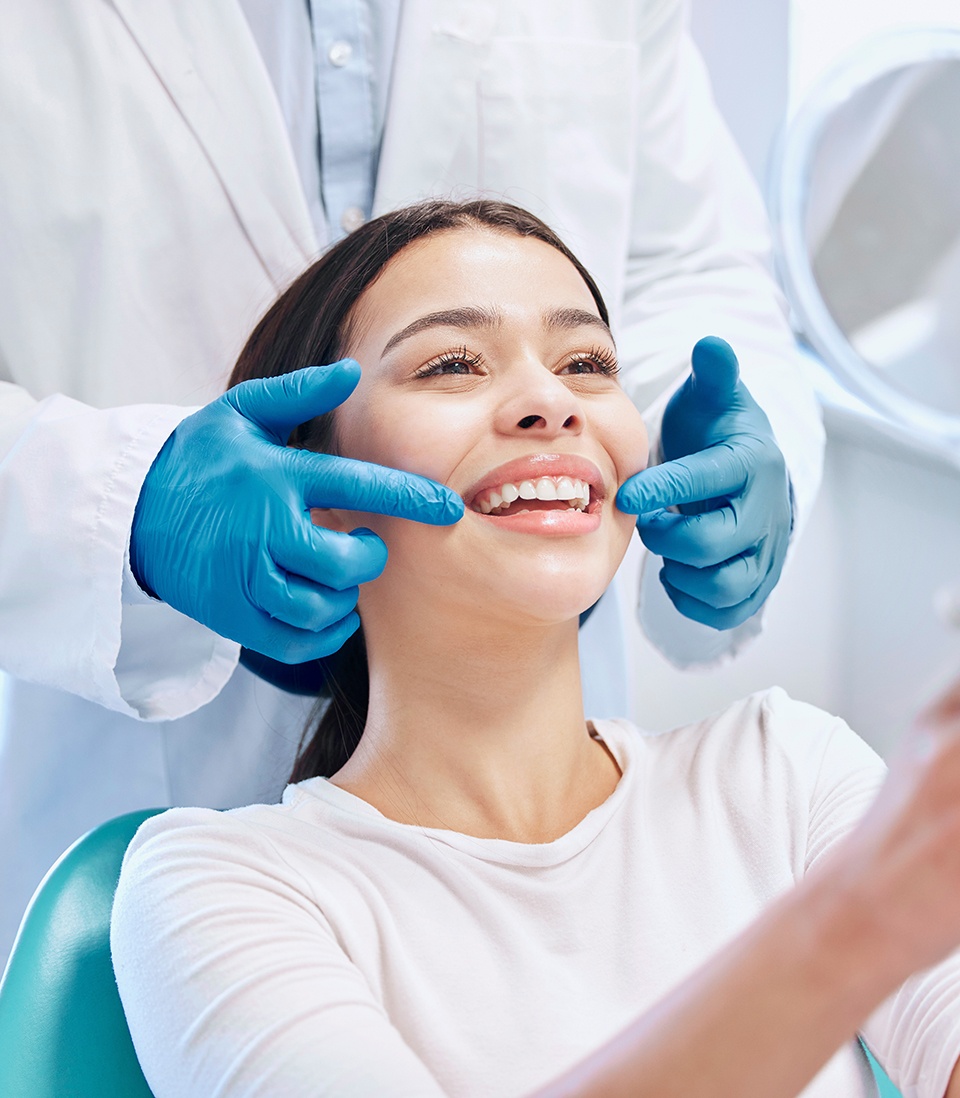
x=327, y=557
x=717, y=472
x=724, y=585
x=288, y=644
x=728, y=618
x=329, y=481
x=278, y=404
x=714, y=371
x=295, y=601
x=701, y=541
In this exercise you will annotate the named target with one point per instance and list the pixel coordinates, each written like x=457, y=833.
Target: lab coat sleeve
x=71, y=614
x=699, y=264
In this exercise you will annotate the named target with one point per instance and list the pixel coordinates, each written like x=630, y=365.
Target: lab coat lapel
x=206, y=58
x=429, y=143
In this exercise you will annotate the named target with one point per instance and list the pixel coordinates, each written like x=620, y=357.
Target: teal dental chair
x=62, y=1029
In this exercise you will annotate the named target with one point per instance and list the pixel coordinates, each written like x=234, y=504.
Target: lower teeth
x=527, y=511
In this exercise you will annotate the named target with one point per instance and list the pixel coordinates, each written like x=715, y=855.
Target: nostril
x=530, y=421
x=569, y=421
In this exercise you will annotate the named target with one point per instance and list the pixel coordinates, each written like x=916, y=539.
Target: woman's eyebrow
x=566, y=319
x=473, y=316
x=467, y=317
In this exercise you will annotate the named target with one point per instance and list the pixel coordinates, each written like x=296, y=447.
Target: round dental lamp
x=865, y=204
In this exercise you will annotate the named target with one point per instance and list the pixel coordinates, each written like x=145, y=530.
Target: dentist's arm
x=222, y=529
x=724, y=471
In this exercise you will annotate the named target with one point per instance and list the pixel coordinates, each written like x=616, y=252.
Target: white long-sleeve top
x=317, y=947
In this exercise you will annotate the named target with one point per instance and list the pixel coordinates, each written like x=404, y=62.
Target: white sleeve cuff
x=683, y=642
x=167, y=665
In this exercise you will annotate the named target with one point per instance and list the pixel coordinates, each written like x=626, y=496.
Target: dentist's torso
x=151, y=208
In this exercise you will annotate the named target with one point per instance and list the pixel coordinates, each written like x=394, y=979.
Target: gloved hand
x=222, y=529
x=723, y=470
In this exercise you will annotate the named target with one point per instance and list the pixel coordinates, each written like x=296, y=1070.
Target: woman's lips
x=541, y=493
x=566, y=523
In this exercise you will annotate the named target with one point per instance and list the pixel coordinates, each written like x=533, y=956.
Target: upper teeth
x=577, y=491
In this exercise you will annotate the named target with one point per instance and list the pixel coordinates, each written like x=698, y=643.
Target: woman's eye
x=454, y=363
x=582, y=366
x=458, y=366
x=599, y=361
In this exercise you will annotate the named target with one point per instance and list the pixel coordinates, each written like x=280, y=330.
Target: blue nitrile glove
x=724, y=472
x=222, y=529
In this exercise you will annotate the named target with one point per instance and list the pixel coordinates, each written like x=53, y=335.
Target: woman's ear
x=332, y=519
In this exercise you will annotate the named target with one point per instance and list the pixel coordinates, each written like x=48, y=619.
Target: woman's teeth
x=498, y=500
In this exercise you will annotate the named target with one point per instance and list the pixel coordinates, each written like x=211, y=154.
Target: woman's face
x=486, y=367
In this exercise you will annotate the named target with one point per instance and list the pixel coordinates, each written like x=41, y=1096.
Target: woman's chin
x=544, y=603
x=537, y=581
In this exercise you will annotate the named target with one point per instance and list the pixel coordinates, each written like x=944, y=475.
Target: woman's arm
x=772, y=1007
x=233, y=982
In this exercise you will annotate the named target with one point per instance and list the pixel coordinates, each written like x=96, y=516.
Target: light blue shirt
x=330, y=62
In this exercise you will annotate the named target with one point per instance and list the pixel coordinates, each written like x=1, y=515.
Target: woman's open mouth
x=560, y=494
x=542, y=494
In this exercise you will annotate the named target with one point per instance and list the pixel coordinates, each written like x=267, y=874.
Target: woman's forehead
x=500, y=276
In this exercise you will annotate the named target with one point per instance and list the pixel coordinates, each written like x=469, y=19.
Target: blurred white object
x=866, y=211
x=823, y=31
x=946, y=603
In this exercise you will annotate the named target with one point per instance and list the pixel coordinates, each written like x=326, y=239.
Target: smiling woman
x=469, y=889
x=488, y=364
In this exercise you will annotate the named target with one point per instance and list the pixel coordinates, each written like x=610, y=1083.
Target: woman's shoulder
x=767, y=729
x=185, y=826
x=767, y=777
x=184, y=844
x=312, y=831
x=810, y=739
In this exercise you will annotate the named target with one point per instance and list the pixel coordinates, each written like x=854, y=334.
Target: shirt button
x=339, y=54
x=352, y=218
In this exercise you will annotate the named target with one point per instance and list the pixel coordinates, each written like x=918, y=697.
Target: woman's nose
x=541, y=406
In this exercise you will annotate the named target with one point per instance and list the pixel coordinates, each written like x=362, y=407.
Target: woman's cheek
x=412, y=435
x=630, y=448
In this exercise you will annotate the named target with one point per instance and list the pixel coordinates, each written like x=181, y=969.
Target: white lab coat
x=150, y=209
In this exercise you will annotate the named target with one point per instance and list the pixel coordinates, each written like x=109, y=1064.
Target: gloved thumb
x=278, y=404
x=715, y=371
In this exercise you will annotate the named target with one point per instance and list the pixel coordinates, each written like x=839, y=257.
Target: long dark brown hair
x=308, y=325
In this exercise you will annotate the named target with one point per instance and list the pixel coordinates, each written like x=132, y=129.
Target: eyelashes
x=445, y=363
x=602, y=358
x=460, y=362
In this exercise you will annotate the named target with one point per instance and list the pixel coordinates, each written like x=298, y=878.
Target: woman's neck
x=479, y=731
